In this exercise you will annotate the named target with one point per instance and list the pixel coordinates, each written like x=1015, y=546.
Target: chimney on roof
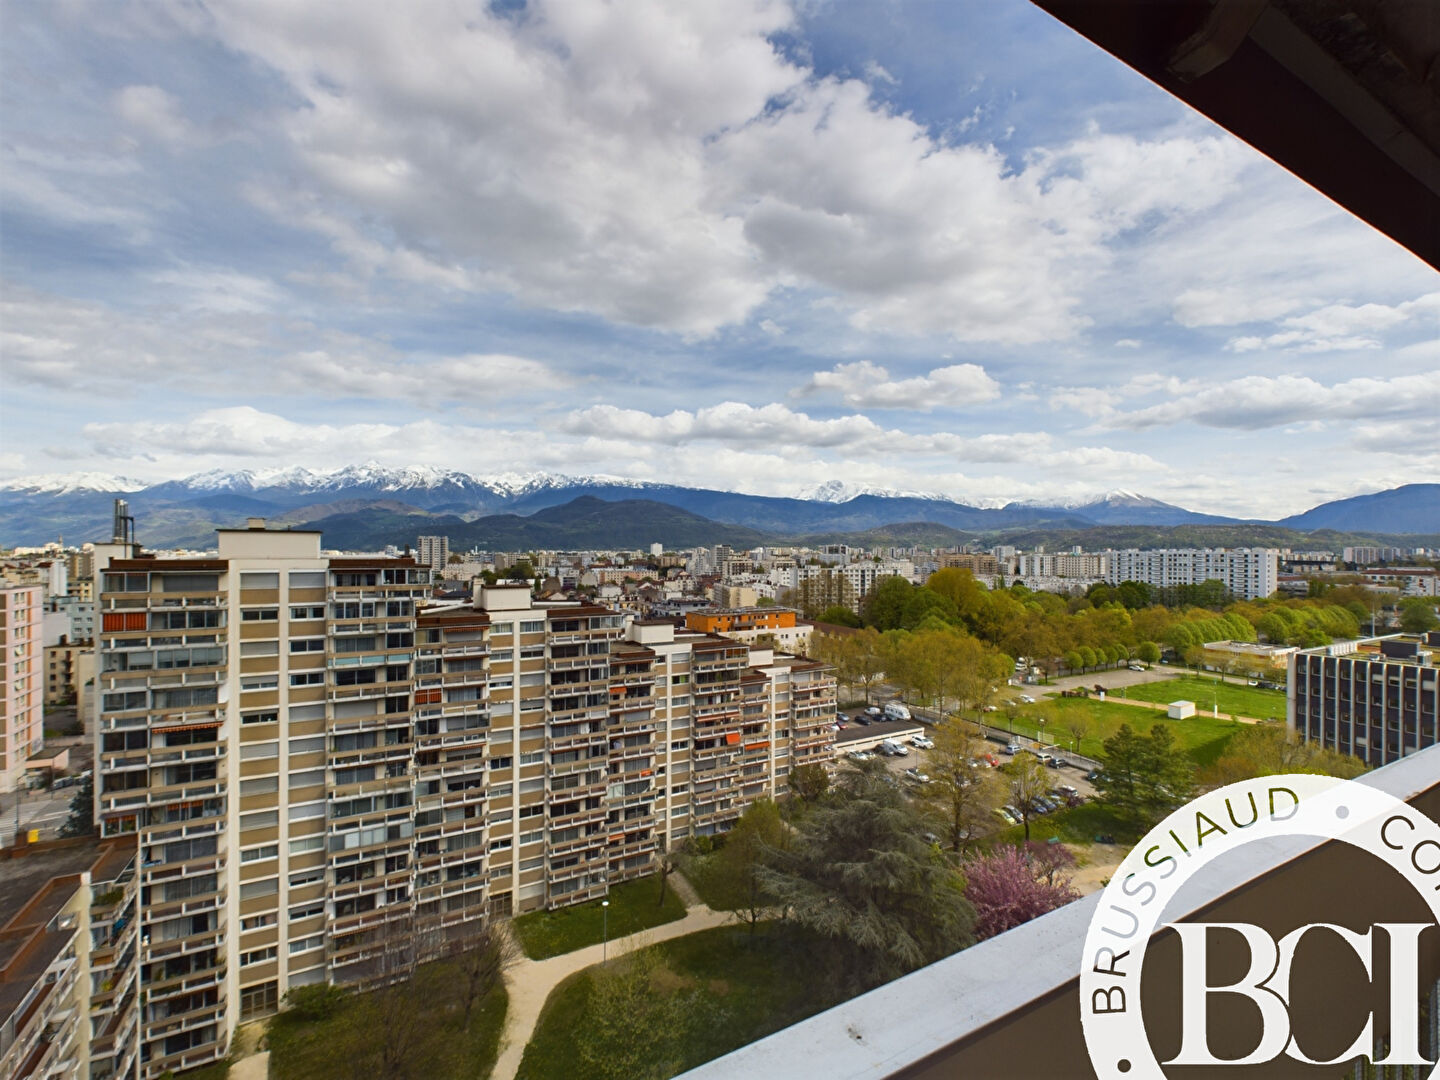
x=255, y=523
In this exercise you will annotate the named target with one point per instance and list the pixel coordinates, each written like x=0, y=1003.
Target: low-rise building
x=780, y=626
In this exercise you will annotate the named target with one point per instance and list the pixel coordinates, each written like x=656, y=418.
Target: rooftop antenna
x=124, y=530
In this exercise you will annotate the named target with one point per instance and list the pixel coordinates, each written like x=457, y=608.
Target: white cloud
x=1262, y=401
x=154, y=112
x=866, y=385
x=1336, y=327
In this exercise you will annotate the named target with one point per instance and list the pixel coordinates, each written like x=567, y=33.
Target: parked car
x=1027, y=699
x=1013, y=748
x=922, y=742
x=1137, y=667
x=1057, y=763
x=989, y=708
x=896, y=711
x=1095, y=774
x=844, y=718
x=1005, y=816
x=874, y=711
x=860, y=755
x=862, y=719
x=1012, y=811
x=891, y=748
x=917, y=776
x=991, y=760
x=1066, y=789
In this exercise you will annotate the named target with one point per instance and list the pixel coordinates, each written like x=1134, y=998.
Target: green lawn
x=717, y=990
x=1248, y=701
x=702, y=871
x=438, y=1044
x=633, y=908
x=1203, y=737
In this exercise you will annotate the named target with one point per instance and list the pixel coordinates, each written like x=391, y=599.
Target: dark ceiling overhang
x=1343, y=93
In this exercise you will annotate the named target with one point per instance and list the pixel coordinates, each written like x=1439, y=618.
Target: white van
x=896, y=711
x=891, y=748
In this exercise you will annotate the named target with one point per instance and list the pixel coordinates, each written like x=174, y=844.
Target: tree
x=1417, y=615
x=634, y=1029
x=1009, y=886
x=1147, y=652
x=809, y=782
x=857, y=872
x=960, y=797
x=1144, y=777
x=839, y=615
x=81, y=821
x=480, y=950
x=885, y=604
x=759, y=832
x=1025, y=780
x=1073, y=660
x=1270, y=750
x=1078, y=726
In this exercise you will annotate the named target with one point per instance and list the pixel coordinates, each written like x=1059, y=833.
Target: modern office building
x=22, y=680
x=317, y=763
x=1249, y=573
x=1374, y=698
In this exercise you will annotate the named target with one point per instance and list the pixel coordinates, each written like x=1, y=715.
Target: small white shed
x=1182, y=710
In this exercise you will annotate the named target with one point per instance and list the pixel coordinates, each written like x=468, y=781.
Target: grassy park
x=633, y=907
x=1232, y=698
x=685, y=1002
x=1202, y=737
x=431, y=1038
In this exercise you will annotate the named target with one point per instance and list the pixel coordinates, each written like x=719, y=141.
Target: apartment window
x=528, y=787
x=249, y=890
x=307, y=745
x=680, y=744
x=534, y=757
x=260, y=785
x=307, y=911
x=265, y=716
x=307, y=579
x=257, y=956
x=501, y=763
x=307, y=877
x=502, y=656
x=532, y=837
x=258, y=922
x=268, y=614
x=261, y=819
x=532, y=864
x=307, y=810
x=260, y=854
x=257, y=750
x=307, y=843
x=259, y=648
x=680, y=811
x=307, y=678
x=532, y=652
x=533, y=810
x=308, y=644
x=260, y=682
x=679, y=789
x=536, y=626
x=308, y=611
x=305, y=944
x=502, y=629
x=501, y=791
x=501, y=845
x=307, y=778
x=259, y=581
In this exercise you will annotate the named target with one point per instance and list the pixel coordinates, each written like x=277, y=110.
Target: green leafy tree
x=1417, y=615
x=1270, y=750
x=858, y=873
x=960, y=797
x=839, y=615
x=81, y=821
x=885, y=606
x=635, y=1027
x=1073, y=660
x=1144, y=777
x=809, y=783
x=1147, y=652
x=759, y=832
x=1025, y=780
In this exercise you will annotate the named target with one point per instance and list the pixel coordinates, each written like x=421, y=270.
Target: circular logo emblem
x=1179, y=849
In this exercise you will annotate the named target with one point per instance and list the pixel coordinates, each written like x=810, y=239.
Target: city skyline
x=955, y=250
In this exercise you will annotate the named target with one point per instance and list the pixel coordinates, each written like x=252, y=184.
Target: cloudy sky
x=755, y=245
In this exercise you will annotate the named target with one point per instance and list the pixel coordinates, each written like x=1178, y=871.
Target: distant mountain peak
x=73, y=483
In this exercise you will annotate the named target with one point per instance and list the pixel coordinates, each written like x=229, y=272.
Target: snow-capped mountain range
x=37, y=509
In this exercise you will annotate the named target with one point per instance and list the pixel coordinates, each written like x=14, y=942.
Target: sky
x=751, y=245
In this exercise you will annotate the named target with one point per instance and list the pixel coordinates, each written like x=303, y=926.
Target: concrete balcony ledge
x=977, y=1013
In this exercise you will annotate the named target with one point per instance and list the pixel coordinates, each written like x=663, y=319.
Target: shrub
x=317, y=1002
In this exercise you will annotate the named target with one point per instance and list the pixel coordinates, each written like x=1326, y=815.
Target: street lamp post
x=604, y=931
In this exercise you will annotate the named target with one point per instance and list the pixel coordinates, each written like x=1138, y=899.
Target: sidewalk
x=530, y=981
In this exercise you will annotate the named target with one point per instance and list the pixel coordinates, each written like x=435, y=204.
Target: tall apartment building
x=1092, y=566
x=433, y=551
x=976, y=562
x=318, y=766
x=22, y=680
x=69, y=985
x=1249, y=573
x=1374, y=698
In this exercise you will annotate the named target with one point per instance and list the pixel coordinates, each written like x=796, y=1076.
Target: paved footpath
x=530, y=981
